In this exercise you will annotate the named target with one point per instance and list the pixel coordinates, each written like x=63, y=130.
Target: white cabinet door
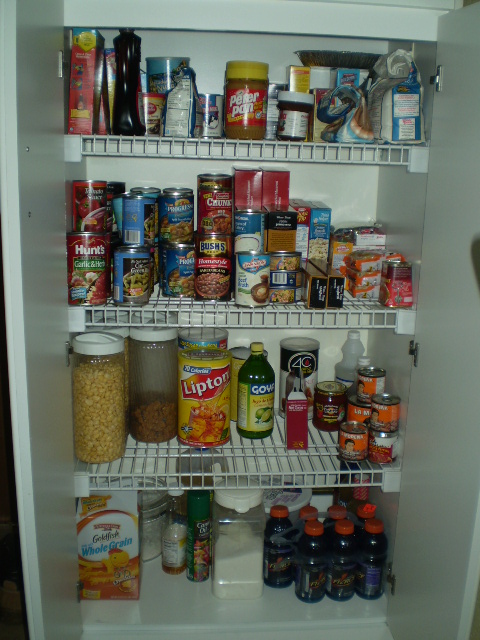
x=33, y=234
x=436, y=560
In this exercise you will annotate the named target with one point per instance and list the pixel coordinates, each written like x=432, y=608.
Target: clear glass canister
x=153, y=383
x=246, y=98
x=152, y=513
x=238, y=525
x=98, y=379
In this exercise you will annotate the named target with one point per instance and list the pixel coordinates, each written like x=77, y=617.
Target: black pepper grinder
x=126, y=119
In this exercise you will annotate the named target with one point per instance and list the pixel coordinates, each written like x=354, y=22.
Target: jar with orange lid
x=246, y=96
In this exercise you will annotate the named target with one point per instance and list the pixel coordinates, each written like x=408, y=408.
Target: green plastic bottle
x=198, y=535
x=256, y=394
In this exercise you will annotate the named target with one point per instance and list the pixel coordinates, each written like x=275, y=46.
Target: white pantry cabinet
x=433, y=519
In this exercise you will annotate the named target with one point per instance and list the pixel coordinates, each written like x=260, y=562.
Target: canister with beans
x=98, y=382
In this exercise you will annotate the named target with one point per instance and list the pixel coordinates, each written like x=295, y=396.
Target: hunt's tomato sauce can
x=89, y=206
x=89, y=270
x=352, y=441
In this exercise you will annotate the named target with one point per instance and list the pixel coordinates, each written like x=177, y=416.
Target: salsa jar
x=329, y=405
x=246, y=98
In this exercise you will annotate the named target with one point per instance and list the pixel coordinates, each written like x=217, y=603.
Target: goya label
x=255, y=406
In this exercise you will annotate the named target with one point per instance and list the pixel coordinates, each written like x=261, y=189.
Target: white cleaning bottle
x=346, y=369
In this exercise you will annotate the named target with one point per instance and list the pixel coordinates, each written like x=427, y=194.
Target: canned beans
x=385, y=412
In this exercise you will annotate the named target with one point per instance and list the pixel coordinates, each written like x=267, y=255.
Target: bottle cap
x=354, y=334
x=374, y=526
x=241, y=500
x=366, y=510
x=308, y=513
x=256, y=347
x=337, y=512
x=345, y=527
x=313, y=528
x=279, y=511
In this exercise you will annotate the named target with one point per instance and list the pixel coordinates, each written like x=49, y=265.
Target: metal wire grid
x=176, y=312
x=264, y=463
x=223, y=148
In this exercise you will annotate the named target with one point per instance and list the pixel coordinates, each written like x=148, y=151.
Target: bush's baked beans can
x=382, y=445
x=249, y=230
x=358, y=411
x=132, y=280
x=329, y=405
x=370, y=380
x=203, y=338
x=179, y=268
x=88, y=267
x=252, y=275
x=285, y=260
x=385, y=412
x=352, y=441
x=299, y=355
x=140, y=217
x=89, y=206
x=204, y=397
x=213, y=267
x=176, y=208
x=214, y=209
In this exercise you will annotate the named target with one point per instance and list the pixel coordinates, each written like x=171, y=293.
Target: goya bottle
x=278, y=553
x=372, y=559
x=342, y=564
x=256, y=392
x=311, y=563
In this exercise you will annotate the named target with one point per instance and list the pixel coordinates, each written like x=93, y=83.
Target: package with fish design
x=108, y=546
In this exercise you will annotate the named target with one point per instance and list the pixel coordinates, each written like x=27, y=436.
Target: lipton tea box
x=108, y=546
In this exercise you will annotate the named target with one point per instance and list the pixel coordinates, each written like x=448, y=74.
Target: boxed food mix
x=87, y=82
x=111, y=70
x=298, y=78
x=338, y=251
x=247, y=188
x=335, y=283
x=317, y=126
x=303, y=225
x=319, y=238
x=365, y=261
x=281, y=228
x=323, y=286
x=108, y=546
x=275, y=187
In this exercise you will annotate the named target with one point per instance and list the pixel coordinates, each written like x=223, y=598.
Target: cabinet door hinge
x=68, y=352
x=79, y=587
x=61, y=64
x=413, y=350
x=391, y=579
x=437, y=79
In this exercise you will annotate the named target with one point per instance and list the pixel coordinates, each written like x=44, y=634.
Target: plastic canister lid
x=374, y=526
x=241, y=500
x=313, y=528
x=247, y=69
x=337, y=512
x=306, y=344
x=344, y=527
x=293, y=498
x=117, y=331
x=279, y=511
x=153, y=334
x=308, y=512
x=296, y=97
x=98, y=344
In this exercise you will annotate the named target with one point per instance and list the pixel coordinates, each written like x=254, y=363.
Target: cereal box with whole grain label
x=108, y=546
x=320, y=219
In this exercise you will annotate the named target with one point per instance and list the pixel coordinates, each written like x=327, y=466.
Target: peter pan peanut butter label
x=246, y=107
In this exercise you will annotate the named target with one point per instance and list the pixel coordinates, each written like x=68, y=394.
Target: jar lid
x=296, y=97
x=98, y=344
x=153, y=334
x=150, y=500
x=247, y=69
x=117, y=331
x=241, y=500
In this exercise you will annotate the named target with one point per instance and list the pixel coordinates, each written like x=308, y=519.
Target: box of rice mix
x=108, y=546
x=319, y=238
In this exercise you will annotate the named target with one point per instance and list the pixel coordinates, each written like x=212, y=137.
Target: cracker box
x=281, y=228
x=247, y=188
x=298, y=78
x=319, y=238
x=275, y=187
x=108, y=546
x=87, y=81
x=303, y=225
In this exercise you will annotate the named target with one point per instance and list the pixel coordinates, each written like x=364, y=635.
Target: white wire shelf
x=225, y=149
x=183, y=312
x=264, y=463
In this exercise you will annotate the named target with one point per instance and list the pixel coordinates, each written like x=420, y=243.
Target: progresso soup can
x=176, y=208
x=204, y=397
x=132, y=280
x=179, y=267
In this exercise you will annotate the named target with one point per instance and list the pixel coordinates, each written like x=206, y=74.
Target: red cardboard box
x=248, y=188
x=87, y=80
x=276, y=187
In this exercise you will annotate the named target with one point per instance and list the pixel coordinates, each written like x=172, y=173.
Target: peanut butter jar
x=246, y=96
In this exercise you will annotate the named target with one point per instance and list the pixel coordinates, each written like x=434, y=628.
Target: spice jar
x=294, y=114
x=238, y=524
x=152, y=514
x=153, y=383
x=246, y=96
x=98, y=381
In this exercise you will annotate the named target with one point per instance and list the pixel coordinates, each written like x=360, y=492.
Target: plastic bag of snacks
x=182, y=114
x=344, y=109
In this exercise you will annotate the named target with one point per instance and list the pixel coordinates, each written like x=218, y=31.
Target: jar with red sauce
x=329, y=405
x=246, y=97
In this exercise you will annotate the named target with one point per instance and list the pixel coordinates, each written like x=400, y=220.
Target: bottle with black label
x=278, y=553
x=342, y=565
x=126, y=117
x=372, y=559
x=311, y=563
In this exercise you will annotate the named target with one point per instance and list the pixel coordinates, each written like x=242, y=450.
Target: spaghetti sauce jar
x=294, y=114
x=246, y=96
x=330, y=403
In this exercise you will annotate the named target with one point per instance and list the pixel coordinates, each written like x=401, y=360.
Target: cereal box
x=320, y=218
x=108, y=546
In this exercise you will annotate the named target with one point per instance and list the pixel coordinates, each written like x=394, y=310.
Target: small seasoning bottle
x=174, y=537
x=198, y=535
x=294, y=114
x=246, y=97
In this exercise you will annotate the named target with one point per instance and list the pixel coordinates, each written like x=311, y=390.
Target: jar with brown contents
x=153, y=383
x=246, y=96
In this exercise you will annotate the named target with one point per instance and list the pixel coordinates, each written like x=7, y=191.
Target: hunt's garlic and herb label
x=108, y=546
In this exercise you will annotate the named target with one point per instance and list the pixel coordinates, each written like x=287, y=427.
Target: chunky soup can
x=204, y=397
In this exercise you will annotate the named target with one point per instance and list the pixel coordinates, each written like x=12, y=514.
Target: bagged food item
x=182, y=113
x=344, y=109
x=395, y=100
